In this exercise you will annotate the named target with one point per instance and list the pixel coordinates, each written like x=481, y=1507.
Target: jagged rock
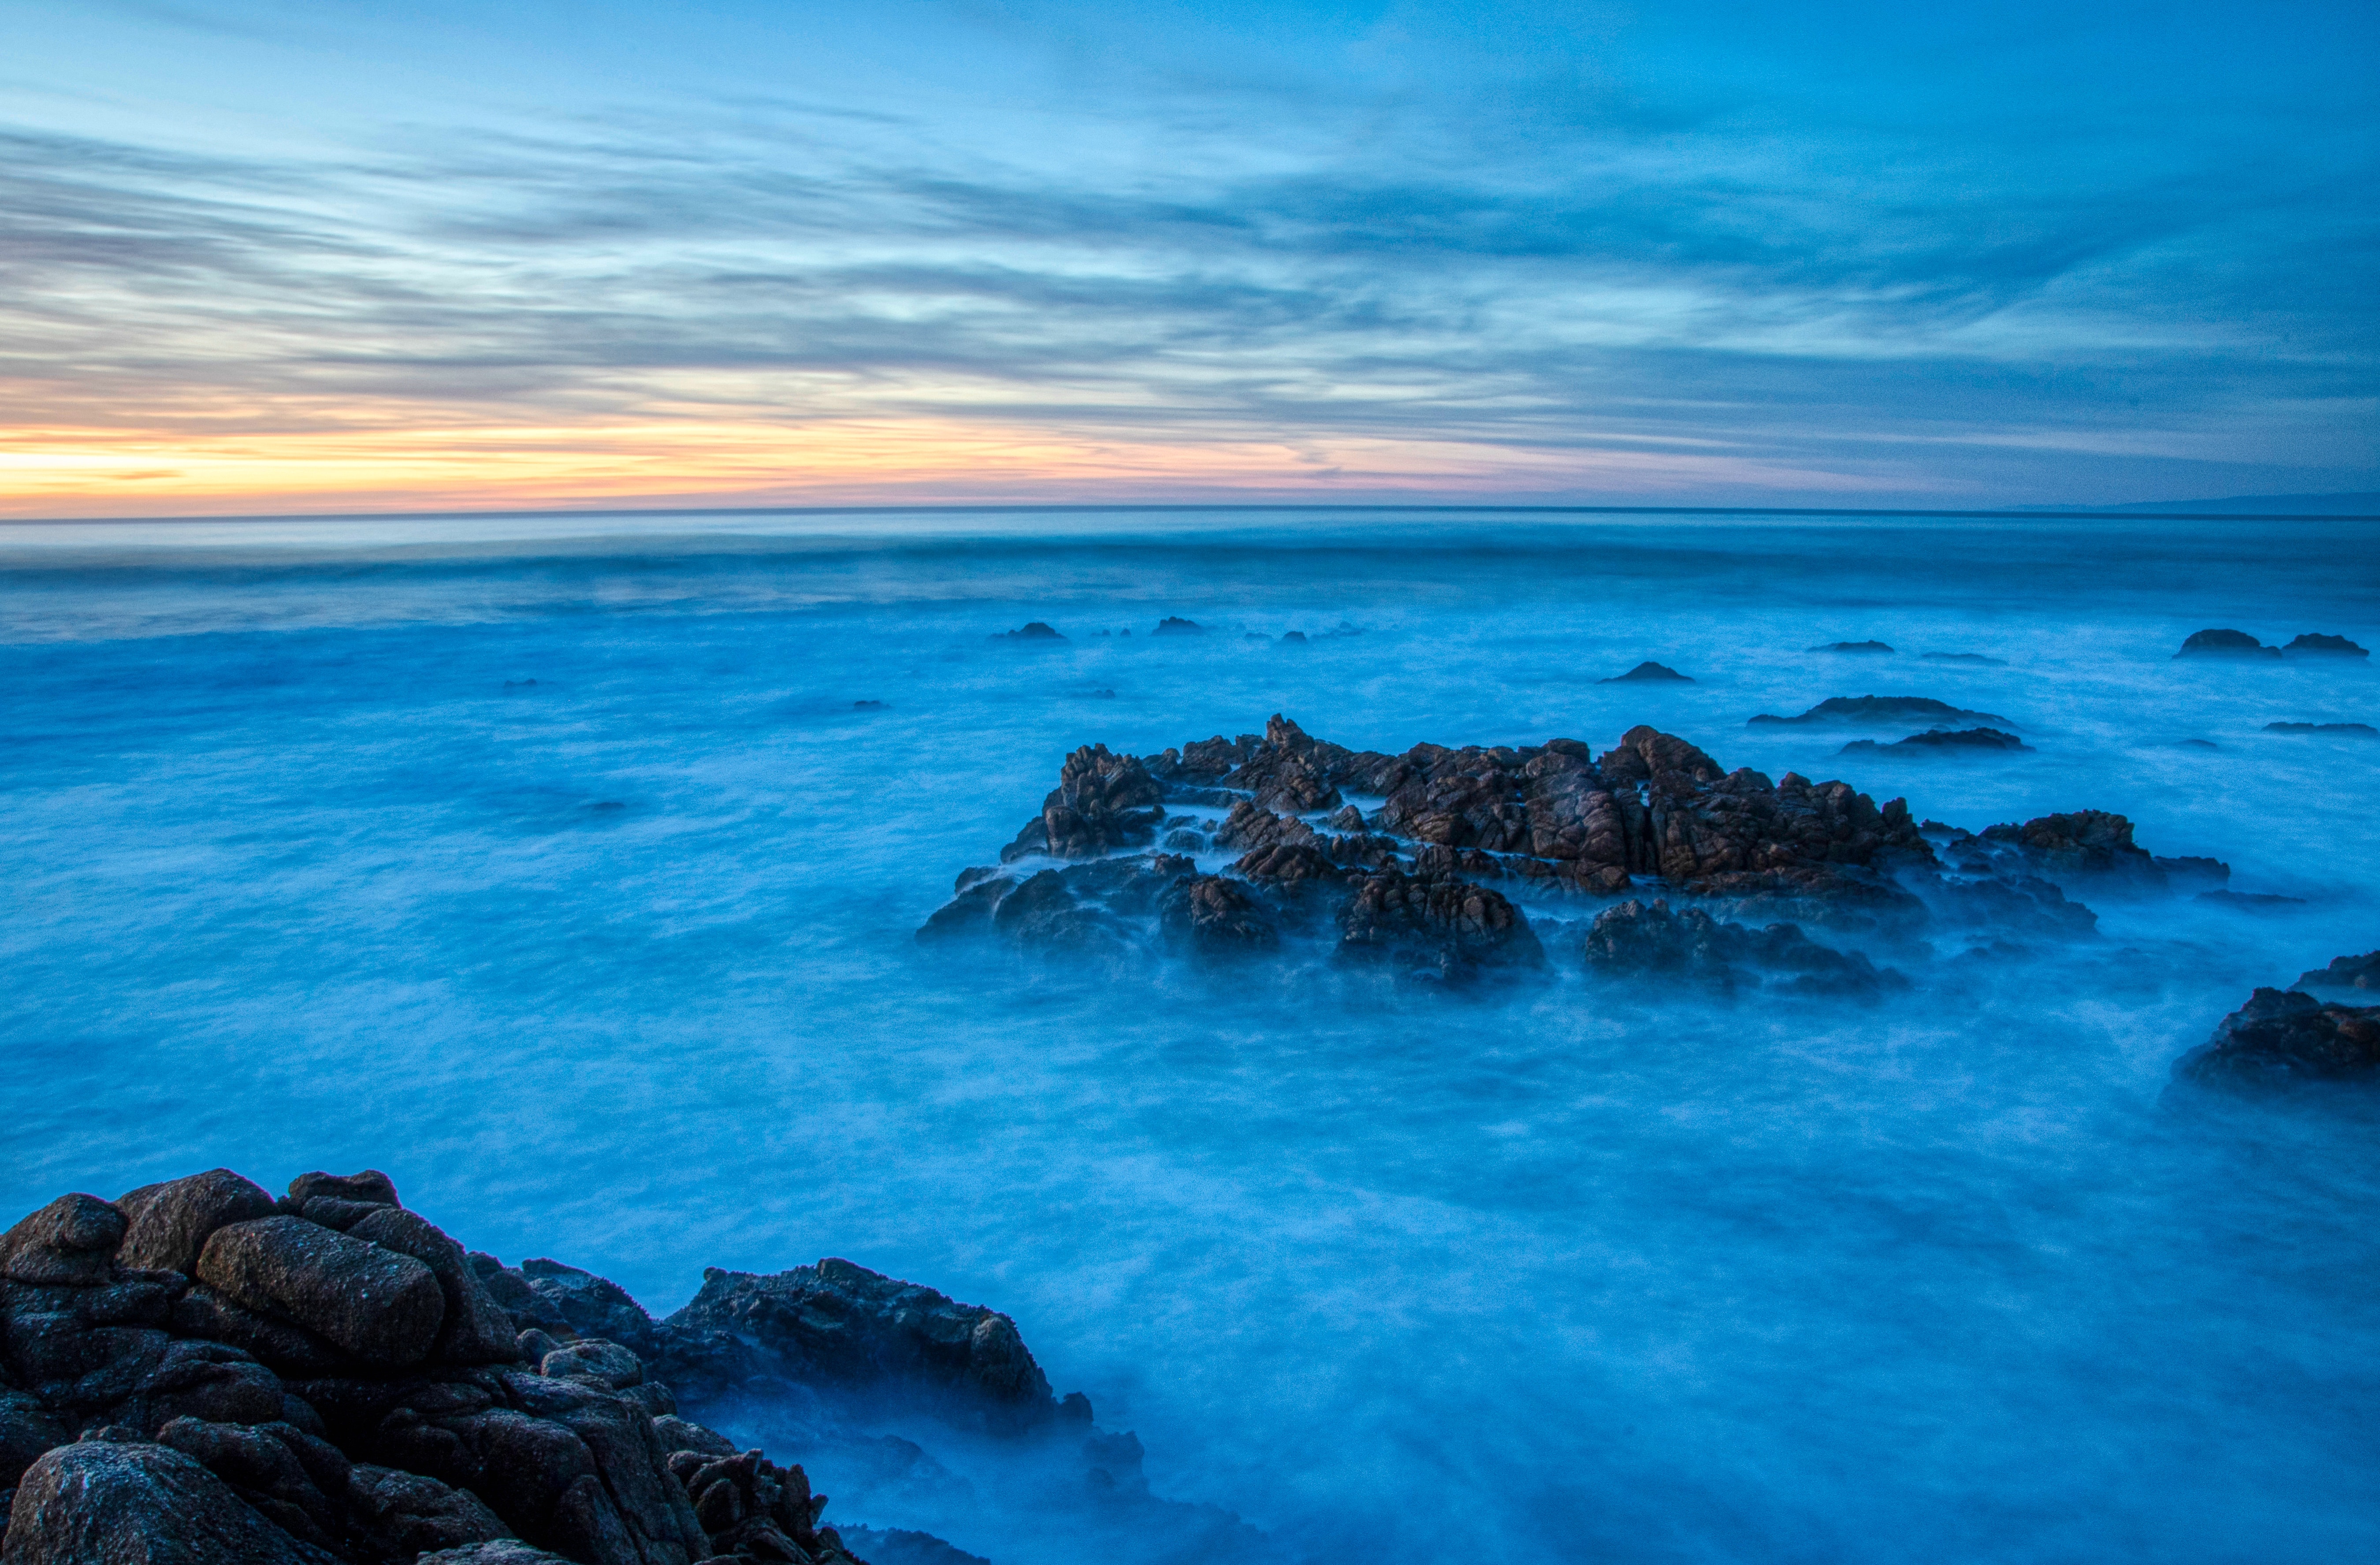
x=1634, y=940
x=2344, y=973
x=381, y=1306
x=1877, y=647
x=2281, y=1039
x=752, y=1509
x=593, y=1306
x=1944, y=738
x=1209, y=915
x=2225, y=643
x=1648, y=674
x=1172, y=625
x=168, y=1223
x=1439, y=928
x=1882, y=709
x=2315, y=644
x=2344, y=730
x=1251, y=826
x=840, y=1325
x=109, y=1503
x=295, y=1480
x=1103, y=801
x=2082, y=844
x=1032, y=631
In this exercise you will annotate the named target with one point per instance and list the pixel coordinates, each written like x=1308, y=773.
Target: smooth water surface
x=554, y=869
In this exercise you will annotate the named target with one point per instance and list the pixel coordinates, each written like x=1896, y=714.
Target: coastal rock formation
x=2315, y=644
x=1635, y=941
x=2344, y=973
x=1438, y=876
x=2343, y=731
x=1032, y=631
x=1877, y=648
x=2282, y=1039
x=1648, y=674
x=1881, y=709
x=2225, y=643
x=1173, y=625
x=1944, y=740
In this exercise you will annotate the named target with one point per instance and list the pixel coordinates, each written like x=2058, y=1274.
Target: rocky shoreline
x=199, y=1371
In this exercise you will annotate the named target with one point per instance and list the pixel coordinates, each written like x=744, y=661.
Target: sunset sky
x=280, y=257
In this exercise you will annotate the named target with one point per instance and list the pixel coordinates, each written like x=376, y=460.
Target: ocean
x=568, y=868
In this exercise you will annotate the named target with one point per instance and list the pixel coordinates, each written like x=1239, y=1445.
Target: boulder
x=70, y=1243
x=2081, y=844
x=169, y=1223
x=105, y=1503
x=2225, y=643
x=26, y=1429
x=408, y=1511
x=593, y=1306
x=1648, y=674
x=2280, y=1039
x=371, y=1185
x=1208, y=915
x=474, y=1329
x=2315, y=644
x=503, y=1551
x=383, y=1307
x=1882, y=709
x=598, y=1362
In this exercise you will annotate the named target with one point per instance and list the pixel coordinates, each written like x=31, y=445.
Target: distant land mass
x=2362, y=504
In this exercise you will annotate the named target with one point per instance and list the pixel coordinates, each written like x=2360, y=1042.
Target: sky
x=269, y=257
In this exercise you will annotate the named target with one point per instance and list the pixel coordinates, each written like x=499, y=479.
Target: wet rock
x=1635, y=940
x=2342, y=731
x=2344, y=973
x=1944, y=740
x=897, y=1546
x=371, y=1186
x=2225, y=643
x=1032, y=631
x=2081, y=844
x=1872, y=647
x=1103, y=801
x=840, y=1325
x=110, y=1503
x=1648, y=674
x=474, y=1329
x=2315, y=644
x=169, y=1223
x=1973, y=657
x=409, y=1512
x=2285, y=1039
x=1209, y=915
x=1882, y=709
x=1441, y=927
x=70, y=1243
x=383, y=1307
x=1172, y=625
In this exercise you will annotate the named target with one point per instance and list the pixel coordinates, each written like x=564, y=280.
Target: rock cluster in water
x=200, y=1371
x=1430, y=881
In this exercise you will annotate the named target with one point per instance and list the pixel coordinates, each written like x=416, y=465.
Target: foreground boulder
x=2283, y=1039
x=98, y=1502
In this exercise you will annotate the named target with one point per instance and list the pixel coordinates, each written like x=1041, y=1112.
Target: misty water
x=551, y=866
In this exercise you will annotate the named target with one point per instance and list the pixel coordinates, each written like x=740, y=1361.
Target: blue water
x=617, y=967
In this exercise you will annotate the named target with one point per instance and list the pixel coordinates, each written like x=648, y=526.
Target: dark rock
x=2250, y=900
x=2226, y=643
x=592, y=1359
x=1882, y=709
x=1297, y=638
x=593, y=1306
x=1975, y=657
x=896, y=1545
x=211, y=1382
x=371, y=1185
x=475, y=1330
x=2211, y=872
x=1648, y=673
x=408, y=1512
x=1173, y=625
x=1853, y=646
x=1032, y=631
x=1209, y=915
x=679, y=1435
x=867, y=706
x=2344, y=730
x=168, y=1223
x=840, y=1325
x=2344, y=973
x=1103, y=801
x=109, y=1503
x=2315, y=644
x=383, y=1307
x=1943, y=739
x=2283, y=1039
x=2082, y=844
x=501, y=1551
x=203, y=1313
x=289, y=1476
x=1635, y=941
x=70, y=1243
x=27, y=1430
x=1439, y=928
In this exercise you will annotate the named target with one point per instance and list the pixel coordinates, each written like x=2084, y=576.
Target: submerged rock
x=2285, y=1039
x=2313, y=645
x=2226, y=643
x=1880, y=709
x=1975, y=657
x=1648, y=673
x=1638, y=941
x=1873, y=647
x=2343, y=731
x=1944, y=738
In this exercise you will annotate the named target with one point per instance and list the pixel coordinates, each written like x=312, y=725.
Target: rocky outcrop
x=1648, y=674
x=333, y=1381
x=2225, y=643
x=2315, y=644
x=2344, y=973
x=2284, y=1039
x=1173, y=625
x=1031, y=630
x=1873, y=648
x=1638, y=941
x=1103, y=801
x=2343, y=731
x=1881, y=709
x=1940, y=740
x=1981, y=660
x=1439, y=928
